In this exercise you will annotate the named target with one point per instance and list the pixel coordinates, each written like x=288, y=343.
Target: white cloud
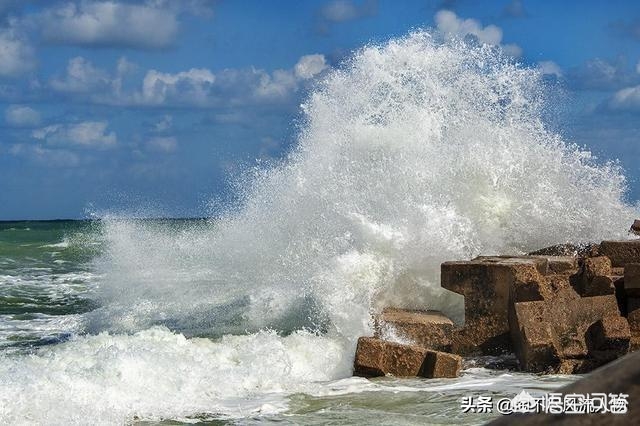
x=46, y=156
x=193, y=85
x=81, y=76
x=638, y=67
x=87, y=134
x=21, y=116
x=164, y=144
x=109, y=24
x=346, y=10
x=451, y=26
x=16, y=54
x=197, y=87
x=550, y=68
x=163, y=124
x=310, y=65
x=626, y=99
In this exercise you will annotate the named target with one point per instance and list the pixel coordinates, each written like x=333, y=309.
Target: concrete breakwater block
x=485, y=283
x=377, y=357
x=621, y=377
x=430, y=329
x=559, y=313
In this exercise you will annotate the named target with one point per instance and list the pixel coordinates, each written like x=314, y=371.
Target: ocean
x=413, y=152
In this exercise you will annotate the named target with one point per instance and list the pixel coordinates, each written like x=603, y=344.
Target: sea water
x=412, y=152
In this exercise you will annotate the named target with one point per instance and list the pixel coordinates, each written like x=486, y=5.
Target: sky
x=151, y=107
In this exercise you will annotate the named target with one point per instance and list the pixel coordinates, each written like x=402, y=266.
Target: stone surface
x=632, y=279
x=620, y=376
x=635, y=228
x=583, y=250
x=486, y=284
x=430, y=329
x=594, y=277
x=532, y=336
x=633, y=314
x=547, y=332
x=377, y=357
x=560, y=264
x=621, y=252
x=608, y=338
x=441, y=365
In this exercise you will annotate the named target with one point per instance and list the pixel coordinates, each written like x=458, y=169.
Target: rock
x=632, y=279
x=532, y=336
x=633, y=317
x=430, y=329
x=608, y=338
x=560, y=264
x=545, y=333
x=486, y=283
x=442, y=365
x=620, y=376
x=377, y=357
x=635, y=228
x=581, y=250
x=594, y=278
x=621, y=252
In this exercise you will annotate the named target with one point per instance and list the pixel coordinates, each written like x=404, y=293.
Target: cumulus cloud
x=347, y=10
x=196, y=87
x=46, y=156
x=81, y=76
x=341, y=11
x=83, y=80
x=165, y=144
x=87, y=134
x=163, y=124
x=627, y=99
x=452, y=26
x=515, y=9
x=17, y=56
x=109, y=24
x=550, y=68
x=309, y=66
x=21, y=116
x=601, y=74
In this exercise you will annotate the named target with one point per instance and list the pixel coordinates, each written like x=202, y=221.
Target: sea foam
x=410, y=153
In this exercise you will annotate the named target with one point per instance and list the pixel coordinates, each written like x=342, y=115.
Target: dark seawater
x=45, y=277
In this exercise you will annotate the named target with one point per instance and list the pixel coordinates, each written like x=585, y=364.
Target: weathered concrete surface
x=595, y=277
x=377, y=357
x=582, y=250
x=608, y=338
x=632, y=279
x=533, y=336
x=621, y=252
x=547, y=333
x=430, y=329
x=560, y=264
x=620, y=376
x=635, y=228
x=441, y=365
x=486, y=284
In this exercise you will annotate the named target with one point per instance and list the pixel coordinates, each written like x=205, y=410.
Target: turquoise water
x=50, y=281
x=45, y=278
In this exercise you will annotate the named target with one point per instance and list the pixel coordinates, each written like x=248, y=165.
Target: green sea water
x=45, y=277
x=51, y=275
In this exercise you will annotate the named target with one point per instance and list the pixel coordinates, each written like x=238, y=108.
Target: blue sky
x=149, y=106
